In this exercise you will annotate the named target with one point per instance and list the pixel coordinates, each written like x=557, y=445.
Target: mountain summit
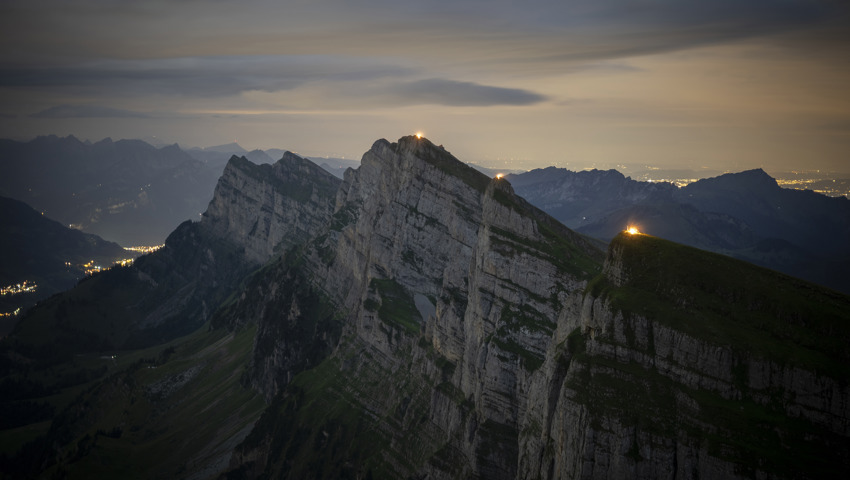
x=418, y=319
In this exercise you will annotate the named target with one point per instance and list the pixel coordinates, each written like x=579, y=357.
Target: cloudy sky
x=725, y=84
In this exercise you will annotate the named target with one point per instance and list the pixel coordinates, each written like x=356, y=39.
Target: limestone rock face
x=417, y=319
x=491, y=265
x=476, y=337
x=267, y=207
x=656, y=392
x=256, y=211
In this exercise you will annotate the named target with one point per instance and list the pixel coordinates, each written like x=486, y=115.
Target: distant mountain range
x=336, y=166
x=218, y=156
x=133, y=193
x=745, y=215
x=125, y=191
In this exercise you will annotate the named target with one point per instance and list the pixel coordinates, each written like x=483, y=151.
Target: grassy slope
x=166, y=411
x=730, y=302
x=171, y=288
x=754, y=311
x=84, y=318
x=333, y=421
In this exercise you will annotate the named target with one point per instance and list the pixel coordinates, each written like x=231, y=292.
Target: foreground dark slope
x=432, y=324
x=65, y=346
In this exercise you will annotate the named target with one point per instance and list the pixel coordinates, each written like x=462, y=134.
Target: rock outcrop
x=420, y=320
x=480, y=338
x=176, y=289
x=268, y=207
x=680, y=370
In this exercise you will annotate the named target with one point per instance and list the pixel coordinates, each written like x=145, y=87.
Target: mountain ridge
x=127, y=191
x=434, y=324
x=746, y=215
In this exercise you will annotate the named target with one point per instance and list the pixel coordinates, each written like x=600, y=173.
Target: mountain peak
x=54, y=139
x=756, y=174
x=297, y=196
x=173, y=148
x=755, y=171
x=231, y=147
x=289, y=156
x=415, y=143
x=744, y=181
x=413, y=149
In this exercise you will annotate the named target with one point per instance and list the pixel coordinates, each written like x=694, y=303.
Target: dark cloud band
x=87, y=111
x=438, y=91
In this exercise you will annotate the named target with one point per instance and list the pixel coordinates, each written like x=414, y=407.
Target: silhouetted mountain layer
x=745, y=215
x=419, y=319
x=217, y=157
x=126, y=191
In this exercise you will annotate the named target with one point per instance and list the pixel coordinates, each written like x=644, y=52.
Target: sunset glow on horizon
x=574, y=84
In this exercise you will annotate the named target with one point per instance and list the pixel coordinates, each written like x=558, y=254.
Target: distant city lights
x=91, y=267
x=25, y=287
x=145, y=249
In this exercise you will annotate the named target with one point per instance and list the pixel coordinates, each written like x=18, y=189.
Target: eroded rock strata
x=476, y=337
x=417, y=319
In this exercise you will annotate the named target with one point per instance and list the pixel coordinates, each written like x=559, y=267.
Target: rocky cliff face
x=268, y=207
x=420, y=320
x=432, y=259
x=255, y=209
x=676, y=373
x=177, y=289
x=473, y=345
x=70, y=339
